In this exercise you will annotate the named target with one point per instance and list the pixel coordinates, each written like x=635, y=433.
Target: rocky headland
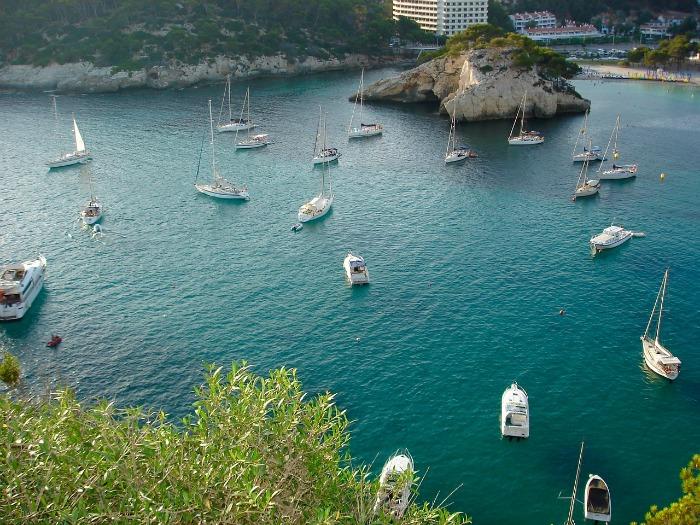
x=480, y=84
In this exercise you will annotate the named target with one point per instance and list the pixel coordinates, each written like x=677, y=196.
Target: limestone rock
x=481, y=84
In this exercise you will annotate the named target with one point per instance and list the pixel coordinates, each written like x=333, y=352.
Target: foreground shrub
x=9, y=369
x=253, y=452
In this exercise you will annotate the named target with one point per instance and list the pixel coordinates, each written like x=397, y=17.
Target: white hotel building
x=443, y=17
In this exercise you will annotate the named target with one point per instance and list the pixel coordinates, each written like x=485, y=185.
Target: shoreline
x=615, y=72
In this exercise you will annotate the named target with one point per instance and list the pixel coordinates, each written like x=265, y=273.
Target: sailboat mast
x=247, y=96
x=318, y=130
x=323, y=174
x=451, y=138
x=522, y=119
x=362, y=96
x=661, y=306
x=211, y=129
x=228, y=82
x=607, y=148
x=583, y=132
x=653, y=310
x=570, y=519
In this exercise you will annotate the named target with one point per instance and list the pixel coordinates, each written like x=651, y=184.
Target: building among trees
x=443, y=17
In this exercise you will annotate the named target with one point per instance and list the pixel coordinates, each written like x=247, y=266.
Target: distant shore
x=617, y=72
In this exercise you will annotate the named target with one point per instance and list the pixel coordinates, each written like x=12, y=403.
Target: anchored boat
x=596, y=499
x=589, y=153
x=250, y=142
x=618, y=171
x=79, y=156
x=233, y=124
x=657, y=357
x=364, y=130
x=20, y=284
x=610, y=237
x=523, y=138
x=395, y=484
x=584, y=186
x=321, y=204
x=455, y=153
x=355, y=269
x=515, y=412
x=322, y=153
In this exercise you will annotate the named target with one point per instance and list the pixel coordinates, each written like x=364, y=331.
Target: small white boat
x=515, y=412
x=355, y=269
x=618, y=171
x=297, y=227
x=79, y=156
x=596, y=500
x=19, y=286
x=219, y=188
x=590, y=154
x=395, y=484
x=523, y=138
x=233, y=124
x=91, y=212
x=256, y=141
x=364, y=130
x=610, y=237
x=321, y=204
x=584, y=186
x=656, y=356
x=455, y=153
x=322, y=153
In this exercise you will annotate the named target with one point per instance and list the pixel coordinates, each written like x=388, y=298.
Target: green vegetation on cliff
x=254, y=451
x=136, y=33
x=527, y=54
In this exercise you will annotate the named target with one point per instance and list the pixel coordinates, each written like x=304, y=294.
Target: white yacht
x=611, y=237
x=596, y=500
x=219, y=187
x=515, y=412
x=326, y=155
x=454, y=152
x=657, y=357
x=364, y=130
x=254, y=141
x=321, y=204
x=584, y=186
x=233, y=124
x=79, y=156
x=356, y=269
x=19, y=286
x=617, y=171
x=322, y=153
x=523, y=138
x=91, y=212
x=589, y=153
x=395, y=484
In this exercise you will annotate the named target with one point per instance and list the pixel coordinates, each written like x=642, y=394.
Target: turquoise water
x=470, y=265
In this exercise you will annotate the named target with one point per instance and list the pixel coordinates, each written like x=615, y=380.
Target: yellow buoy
x=662, y=177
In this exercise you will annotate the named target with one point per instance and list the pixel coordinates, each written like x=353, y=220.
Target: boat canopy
x=357, y=262
x=670, y=361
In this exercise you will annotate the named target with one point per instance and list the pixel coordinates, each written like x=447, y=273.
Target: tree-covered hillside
x=136, y=33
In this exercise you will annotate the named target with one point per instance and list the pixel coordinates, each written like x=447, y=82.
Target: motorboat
x=523, y=138
x=610, y=237
x=356, y=269
x=395, y=484
x=233, y=123
x=656, y=356
x=91, y=212
x=515, y=412
x=20, y=284
x=256, y=141
x=326, y=155
x=363, y=130
x=315, y=208
x=79, y=156
x=619, y=172
x=596, y=500
x=55, y=341
x=219, y=187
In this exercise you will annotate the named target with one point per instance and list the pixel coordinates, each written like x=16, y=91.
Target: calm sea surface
x=470, y=265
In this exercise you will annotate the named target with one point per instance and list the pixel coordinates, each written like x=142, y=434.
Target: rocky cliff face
x=85, y=77
x=481, y=84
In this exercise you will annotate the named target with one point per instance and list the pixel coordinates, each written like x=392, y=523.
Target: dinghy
x=596, y=500
x=395, y=484
x=515, y=412
x=656, y=356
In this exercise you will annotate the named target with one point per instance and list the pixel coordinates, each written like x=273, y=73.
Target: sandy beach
x=597, y=71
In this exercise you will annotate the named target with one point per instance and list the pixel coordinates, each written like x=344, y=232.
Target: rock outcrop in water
x=85, y=77
x=480, y=84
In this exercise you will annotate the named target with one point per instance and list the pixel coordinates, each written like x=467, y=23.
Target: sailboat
x=322, y=153
x=364, y=130
x=657, y=356
x=251, y=141
x=592, y=153
x=220, y=187
x=79, y=156
x=91, y=213
x=321, y=203
x=455, y=153
x=585, y=187
x=618, y=171
x=233, y=124
x=523, y=138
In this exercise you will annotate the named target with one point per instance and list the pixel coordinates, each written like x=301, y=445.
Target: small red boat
x=55, y=341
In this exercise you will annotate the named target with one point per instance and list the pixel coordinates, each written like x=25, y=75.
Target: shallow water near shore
x=470, y=265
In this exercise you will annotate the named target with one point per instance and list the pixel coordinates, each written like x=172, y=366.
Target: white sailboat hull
x=326, y=159
x=315, y=208
x=69, y=159
x=36, y=272
x=456, y=156
x=626, y=172
x=358, y=133
x=654, y=352
x=234, y=126
x=525, y=140
x=251, y=145
x=583, y=157
x=222, y=193
x=587, y=190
